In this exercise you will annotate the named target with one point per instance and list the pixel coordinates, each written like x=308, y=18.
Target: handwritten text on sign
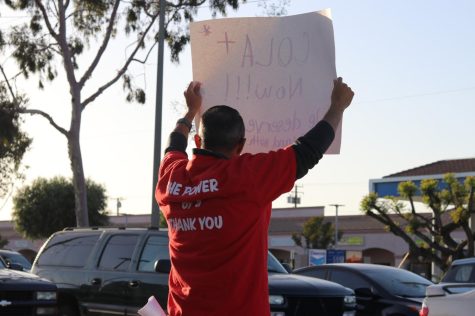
x=277, y=71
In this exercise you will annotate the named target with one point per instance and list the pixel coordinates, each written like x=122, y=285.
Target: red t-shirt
x=218, y=213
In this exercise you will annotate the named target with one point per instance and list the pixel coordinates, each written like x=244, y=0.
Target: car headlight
x=276, y=300
x=46, y=296
x=350, y=301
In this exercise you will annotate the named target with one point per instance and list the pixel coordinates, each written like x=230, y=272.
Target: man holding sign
x=218, y=205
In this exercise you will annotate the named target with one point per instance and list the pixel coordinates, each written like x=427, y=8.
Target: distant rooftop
x=438, y=167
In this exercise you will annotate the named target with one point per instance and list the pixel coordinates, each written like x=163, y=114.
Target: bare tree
x=60, y=31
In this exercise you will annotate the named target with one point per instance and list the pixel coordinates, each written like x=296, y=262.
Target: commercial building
x=362, y=236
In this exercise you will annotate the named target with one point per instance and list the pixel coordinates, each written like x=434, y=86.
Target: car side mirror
x=163, y=265
x=364, y=292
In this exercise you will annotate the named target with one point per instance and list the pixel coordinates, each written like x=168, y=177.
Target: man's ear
x=240, y=146
x=197, y=141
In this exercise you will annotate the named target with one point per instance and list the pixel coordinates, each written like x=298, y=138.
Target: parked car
x=15, y=260
x=25, y=294
x=380, y=290
x=115, y=271
x=455, y=294
x=449, y=299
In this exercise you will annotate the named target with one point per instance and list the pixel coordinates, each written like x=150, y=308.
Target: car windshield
x=273, y=265
x=400, y=282
x=463, y=273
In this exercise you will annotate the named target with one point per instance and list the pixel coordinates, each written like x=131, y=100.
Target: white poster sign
x=277, y=71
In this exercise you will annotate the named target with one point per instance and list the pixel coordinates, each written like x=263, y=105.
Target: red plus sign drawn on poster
x=227, y=42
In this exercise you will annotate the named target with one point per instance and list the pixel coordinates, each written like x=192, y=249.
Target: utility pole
x=157, y=148
x=295, y=199
x=118, y=205
x=336, y=222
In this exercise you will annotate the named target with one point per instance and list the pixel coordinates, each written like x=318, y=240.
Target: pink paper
x=152, y=308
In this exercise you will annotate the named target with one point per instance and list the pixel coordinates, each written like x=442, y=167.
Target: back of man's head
x=222, y=128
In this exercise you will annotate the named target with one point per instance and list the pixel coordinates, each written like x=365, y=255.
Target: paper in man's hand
x=277, y=71
x=152, y=308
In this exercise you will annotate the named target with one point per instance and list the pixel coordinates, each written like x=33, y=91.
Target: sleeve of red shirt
x=273, y=173
x=171, y=161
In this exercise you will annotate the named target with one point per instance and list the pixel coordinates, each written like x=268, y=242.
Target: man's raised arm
x=309, y=149
x=179, y=136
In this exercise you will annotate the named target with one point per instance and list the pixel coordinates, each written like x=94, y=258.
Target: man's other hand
x=193, y=97
x=342, y=95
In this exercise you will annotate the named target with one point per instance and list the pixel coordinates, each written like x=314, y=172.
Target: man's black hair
x=222, y=128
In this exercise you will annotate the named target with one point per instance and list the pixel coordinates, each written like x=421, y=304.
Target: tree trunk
x=75, y=156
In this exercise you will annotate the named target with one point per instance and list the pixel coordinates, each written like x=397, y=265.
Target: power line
x=419, y=95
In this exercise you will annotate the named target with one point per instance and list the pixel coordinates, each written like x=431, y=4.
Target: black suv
x=25, y=294
x=115, y=271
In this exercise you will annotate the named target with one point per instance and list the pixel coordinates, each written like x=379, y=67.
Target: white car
x=449, y=299
x=455, y=294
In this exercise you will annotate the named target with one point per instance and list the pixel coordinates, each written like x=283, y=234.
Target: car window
x=118, y=252
x=348, y=279
x=68, y=250
x=273, y=265
x=400, y=282
x=155, y=248
x=461, y=273
x=457, y=289
x=17, y=259
x=2, y=265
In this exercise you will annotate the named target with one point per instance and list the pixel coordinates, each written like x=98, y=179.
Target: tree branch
x=103, y=47
x=433, y=244
x=55, y=8
x=63, y=44
x=46, y=116
x=426, y=221
x=46, y=18
x=181, y=4
x=101, y=89
x=146, y=56
x=396, y=230
x=469, y=234
x=8, y=84
x=470, y=207
x=382, y=217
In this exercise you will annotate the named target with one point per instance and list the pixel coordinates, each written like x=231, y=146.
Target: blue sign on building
x=335, y=256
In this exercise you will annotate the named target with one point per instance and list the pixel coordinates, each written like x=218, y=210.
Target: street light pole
x=157, y=148
x=336, y=222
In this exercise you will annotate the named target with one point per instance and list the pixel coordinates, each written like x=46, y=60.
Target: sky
x=410, y=63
